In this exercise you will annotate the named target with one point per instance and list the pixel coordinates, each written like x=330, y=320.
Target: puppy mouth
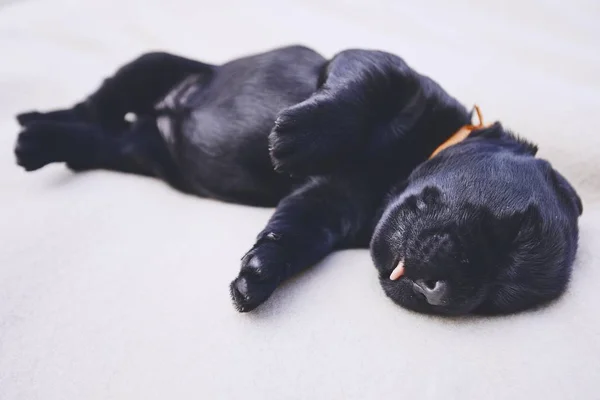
x=433, y=292
x=398, y=270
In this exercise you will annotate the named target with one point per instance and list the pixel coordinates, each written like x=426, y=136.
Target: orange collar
x=461, y=134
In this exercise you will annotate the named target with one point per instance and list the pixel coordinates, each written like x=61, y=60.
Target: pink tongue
x=397, y=272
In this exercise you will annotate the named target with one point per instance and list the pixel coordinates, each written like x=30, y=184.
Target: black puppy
x=483, y=227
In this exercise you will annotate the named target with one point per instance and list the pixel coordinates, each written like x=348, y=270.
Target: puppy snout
x=435, y=292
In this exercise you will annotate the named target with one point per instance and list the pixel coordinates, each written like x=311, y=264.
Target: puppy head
x=451, y=252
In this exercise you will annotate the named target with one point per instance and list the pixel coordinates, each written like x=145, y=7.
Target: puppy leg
x=362, y=92
x=82, y=146
x=135, y=88
x=309, y=224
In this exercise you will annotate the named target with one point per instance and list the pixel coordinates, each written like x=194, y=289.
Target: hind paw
x=42, y=143
x=38, y=145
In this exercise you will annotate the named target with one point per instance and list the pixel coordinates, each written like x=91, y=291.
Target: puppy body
x=216, y=124
x=342, y=134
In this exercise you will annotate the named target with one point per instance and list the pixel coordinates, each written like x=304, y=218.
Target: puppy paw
x=42, y=143
x=310, y=138
x=37, y=145
x=263, y=268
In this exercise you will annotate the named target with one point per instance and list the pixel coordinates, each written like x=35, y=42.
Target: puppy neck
x=462, y=133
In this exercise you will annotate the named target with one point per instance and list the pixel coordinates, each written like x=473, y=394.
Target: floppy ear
x=565, y=190
x=502, y=232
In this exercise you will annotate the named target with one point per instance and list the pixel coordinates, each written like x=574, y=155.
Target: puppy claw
x=248, y=294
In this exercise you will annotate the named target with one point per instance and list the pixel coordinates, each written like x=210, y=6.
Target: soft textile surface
x=116, y=287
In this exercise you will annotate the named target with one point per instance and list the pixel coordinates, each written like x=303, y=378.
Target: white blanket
x=116, y=287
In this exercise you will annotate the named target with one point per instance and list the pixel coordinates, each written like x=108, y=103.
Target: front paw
x=263, y=268
x=311, y=138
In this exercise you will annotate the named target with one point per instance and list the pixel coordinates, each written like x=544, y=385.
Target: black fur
x=491, y=226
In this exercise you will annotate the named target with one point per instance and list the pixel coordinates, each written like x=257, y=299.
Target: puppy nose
x=434, y=291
